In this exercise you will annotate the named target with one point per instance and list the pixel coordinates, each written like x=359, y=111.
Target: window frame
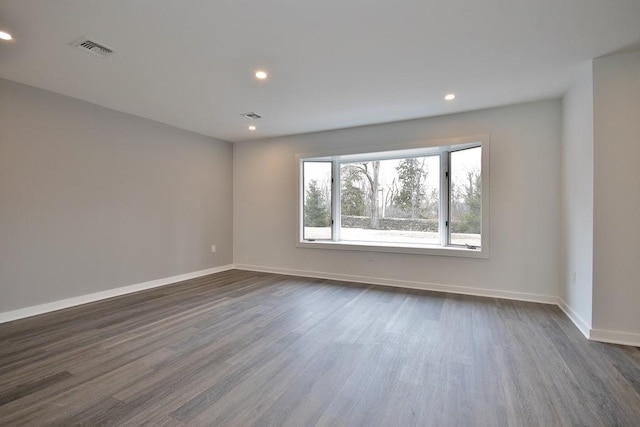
x=422, y=148
x=303, y=199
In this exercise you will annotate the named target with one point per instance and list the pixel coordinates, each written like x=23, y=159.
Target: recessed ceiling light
x=5, y=36
x=252, y=128
x=450, y=97
x=261, y=74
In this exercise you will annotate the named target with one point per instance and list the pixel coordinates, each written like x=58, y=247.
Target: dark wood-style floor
x=240, y=348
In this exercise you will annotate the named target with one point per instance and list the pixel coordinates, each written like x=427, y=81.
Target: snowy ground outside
x=390, y=236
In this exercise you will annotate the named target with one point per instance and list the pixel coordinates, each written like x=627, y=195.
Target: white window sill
x=398, y=248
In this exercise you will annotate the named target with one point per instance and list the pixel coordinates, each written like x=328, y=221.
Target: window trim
x=434, y=146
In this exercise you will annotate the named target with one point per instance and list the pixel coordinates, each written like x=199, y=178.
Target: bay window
x=431, y=199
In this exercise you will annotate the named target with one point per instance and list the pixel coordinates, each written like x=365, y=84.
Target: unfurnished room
x=330, y=213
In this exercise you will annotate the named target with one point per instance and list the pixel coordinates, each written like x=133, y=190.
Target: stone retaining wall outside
x=391, y=223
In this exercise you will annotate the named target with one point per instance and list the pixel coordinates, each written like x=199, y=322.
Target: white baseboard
x=615, y=337
x=600, y=335
x=21, y=313
x=575, y=318
x=493, y=293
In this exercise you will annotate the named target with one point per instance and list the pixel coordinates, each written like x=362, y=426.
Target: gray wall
x=577, y=200
x=524, y=202
x=93, y=199
x=616, y=247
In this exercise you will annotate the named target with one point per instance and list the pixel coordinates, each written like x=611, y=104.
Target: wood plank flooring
x=241, y=348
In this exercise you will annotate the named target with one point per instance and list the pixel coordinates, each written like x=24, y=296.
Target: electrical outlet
x=213, y=248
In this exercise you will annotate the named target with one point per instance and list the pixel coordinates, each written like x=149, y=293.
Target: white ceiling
x=331, y=63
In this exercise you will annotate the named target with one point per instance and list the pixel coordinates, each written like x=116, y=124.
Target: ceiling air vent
x=252, y=116
x=94, y=48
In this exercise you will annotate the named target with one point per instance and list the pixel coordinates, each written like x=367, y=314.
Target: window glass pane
x=465, y=210
x=393, y=200
x=316, y=200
